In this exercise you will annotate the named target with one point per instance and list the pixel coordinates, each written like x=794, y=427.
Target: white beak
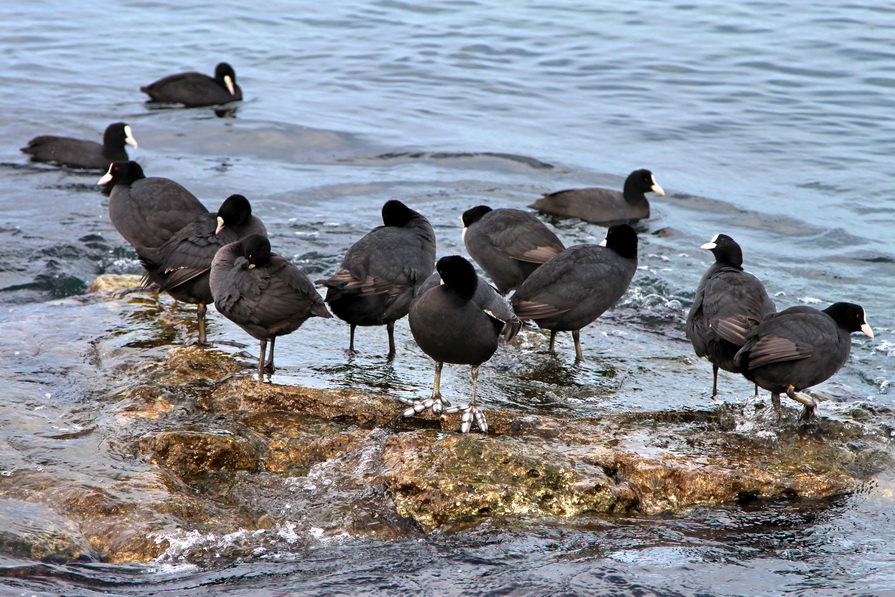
x=228, y=81
x=220, y=225
x=656, y=188
x=107, y=177
x=866, y=329
x=602, y=243
x=129, y=136
x=711, y=244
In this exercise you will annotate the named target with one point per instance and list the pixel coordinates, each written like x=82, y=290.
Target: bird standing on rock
x=181, y=267
x=262, y=293
x=726, y=292
x=88, y=155
x=147, y=212
x=604, y=206
x=458, y=321
x=508, y=244
x=578, y=285
x=381, y=272
x=798, y=348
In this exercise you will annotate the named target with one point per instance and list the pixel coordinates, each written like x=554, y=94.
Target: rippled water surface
x=769, y=122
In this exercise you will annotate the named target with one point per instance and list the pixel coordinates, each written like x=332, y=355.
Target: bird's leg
x=552, y=339
x=809, y=413
x=390, y=328
x=756, y=389
x=576, y=336
x=268, y=366
x=351, y=339
x=435, y=402
x=200, y=318
x=471, y=411
x=714, y=380
x=261, y=360
x=775, y=400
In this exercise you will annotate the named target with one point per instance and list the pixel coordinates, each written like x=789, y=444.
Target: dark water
x=770, y=123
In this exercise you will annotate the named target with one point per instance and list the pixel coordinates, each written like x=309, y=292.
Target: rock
x=193, y=453
x=442, y=481
x=29, y=530
x=220, y=466
x=110, y=284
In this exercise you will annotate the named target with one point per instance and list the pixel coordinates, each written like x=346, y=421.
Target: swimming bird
x=381, y=272
x=147, y=212
x=88, y=155
x=194, y=89
x=578, y=285
x=725, y=292
x=508, y=244
x=458, y=321
x=262, y=293
x=798, y=348
x=181, y=267
x=603, y=206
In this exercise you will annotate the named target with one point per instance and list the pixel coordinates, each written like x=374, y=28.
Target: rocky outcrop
x=261, y=464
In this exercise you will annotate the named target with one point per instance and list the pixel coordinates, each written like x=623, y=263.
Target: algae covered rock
x=442, y=480
x=204, y=455
x=190, y=453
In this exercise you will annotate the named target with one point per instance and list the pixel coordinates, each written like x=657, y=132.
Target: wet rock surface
x=218, y=454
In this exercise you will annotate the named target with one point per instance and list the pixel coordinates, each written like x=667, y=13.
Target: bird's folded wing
x=774, y=349
x=540, y=254
x=734, y=328
x=535, y=310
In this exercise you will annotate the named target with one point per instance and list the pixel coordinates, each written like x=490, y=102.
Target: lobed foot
x=809, y=414
x=435, y=402
x=471, y=413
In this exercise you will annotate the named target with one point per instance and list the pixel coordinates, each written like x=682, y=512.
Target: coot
x=603, y=206
x=798, y=348
x=725, y=292
x=182, y=265
x=459, y=321
x=578, y=285
x=148, y=211
x=382, y=271
x=508, y=244
x=194, y=89
x=262, y=293
x=88, y=155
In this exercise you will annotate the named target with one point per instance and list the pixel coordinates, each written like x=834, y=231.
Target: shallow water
x=765, y=122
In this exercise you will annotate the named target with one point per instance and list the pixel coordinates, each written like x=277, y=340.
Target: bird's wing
x=534, y=244
x=547, y=293
x=185, y=256
x=497, y=307
x=774, y=349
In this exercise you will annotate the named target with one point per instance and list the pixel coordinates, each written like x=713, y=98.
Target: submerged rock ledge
x=227, y=456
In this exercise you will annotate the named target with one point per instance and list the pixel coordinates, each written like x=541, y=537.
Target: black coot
x=458, y=321
x=88, y=155
x=382, y=271
x=578, y=285
x=148, y=211
x=196, y=89
x=726, y=292
x=181, y=266
x=508, y=244
x=262, y=293
x=798, y=348
x=603, y=206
